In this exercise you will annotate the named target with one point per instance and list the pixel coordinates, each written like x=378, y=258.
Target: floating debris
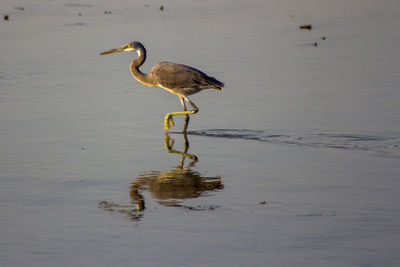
x=315, y=44
x=306, y=27
x=262, y=202
x=107, y=12
x=6, y=17
x=161, y=7
x=19, y=8
x=323, y=38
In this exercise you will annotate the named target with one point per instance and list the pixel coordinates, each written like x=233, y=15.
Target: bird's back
x=182, y=79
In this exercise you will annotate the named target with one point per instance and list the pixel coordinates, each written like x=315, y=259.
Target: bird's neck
x=146, y=79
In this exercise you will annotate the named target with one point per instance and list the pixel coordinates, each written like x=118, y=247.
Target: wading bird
x=175, y=78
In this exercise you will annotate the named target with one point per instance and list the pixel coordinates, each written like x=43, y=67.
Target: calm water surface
x=295, y=163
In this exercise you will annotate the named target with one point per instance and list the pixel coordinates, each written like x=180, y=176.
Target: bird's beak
x=112, y=51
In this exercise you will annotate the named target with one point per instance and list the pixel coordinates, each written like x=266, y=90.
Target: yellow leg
x=169, y=122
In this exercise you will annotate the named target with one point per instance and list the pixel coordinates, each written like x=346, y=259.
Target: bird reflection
x=169, y=188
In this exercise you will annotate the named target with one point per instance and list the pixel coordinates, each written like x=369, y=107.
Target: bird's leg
x=169, y=116
x=170, y=120
x=187, y=118
x=195, y=108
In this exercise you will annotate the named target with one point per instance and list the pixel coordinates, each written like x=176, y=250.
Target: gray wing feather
x=183, y=79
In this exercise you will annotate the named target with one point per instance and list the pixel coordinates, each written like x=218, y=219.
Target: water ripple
x=351, y=141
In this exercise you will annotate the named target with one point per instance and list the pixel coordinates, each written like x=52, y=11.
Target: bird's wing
x=176, y=76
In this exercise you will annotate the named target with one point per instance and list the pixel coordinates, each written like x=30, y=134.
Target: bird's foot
x=168, y=122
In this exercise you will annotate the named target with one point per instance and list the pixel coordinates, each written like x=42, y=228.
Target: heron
x=178, y=79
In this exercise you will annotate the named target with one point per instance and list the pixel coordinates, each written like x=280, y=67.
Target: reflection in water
x=168, y=187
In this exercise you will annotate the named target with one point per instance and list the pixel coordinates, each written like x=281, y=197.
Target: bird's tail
x=217, y=84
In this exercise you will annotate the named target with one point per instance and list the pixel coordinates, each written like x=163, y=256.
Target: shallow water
x=295, y=163
x=318, y=140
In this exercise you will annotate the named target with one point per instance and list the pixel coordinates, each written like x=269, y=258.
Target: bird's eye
x=127, y=48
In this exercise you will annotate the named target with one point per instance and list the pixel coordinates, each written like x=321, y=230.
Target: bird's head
x=132, y=46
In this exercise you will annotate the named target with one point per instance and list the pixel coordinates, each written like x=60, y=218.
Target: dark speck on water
x=306, y=27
